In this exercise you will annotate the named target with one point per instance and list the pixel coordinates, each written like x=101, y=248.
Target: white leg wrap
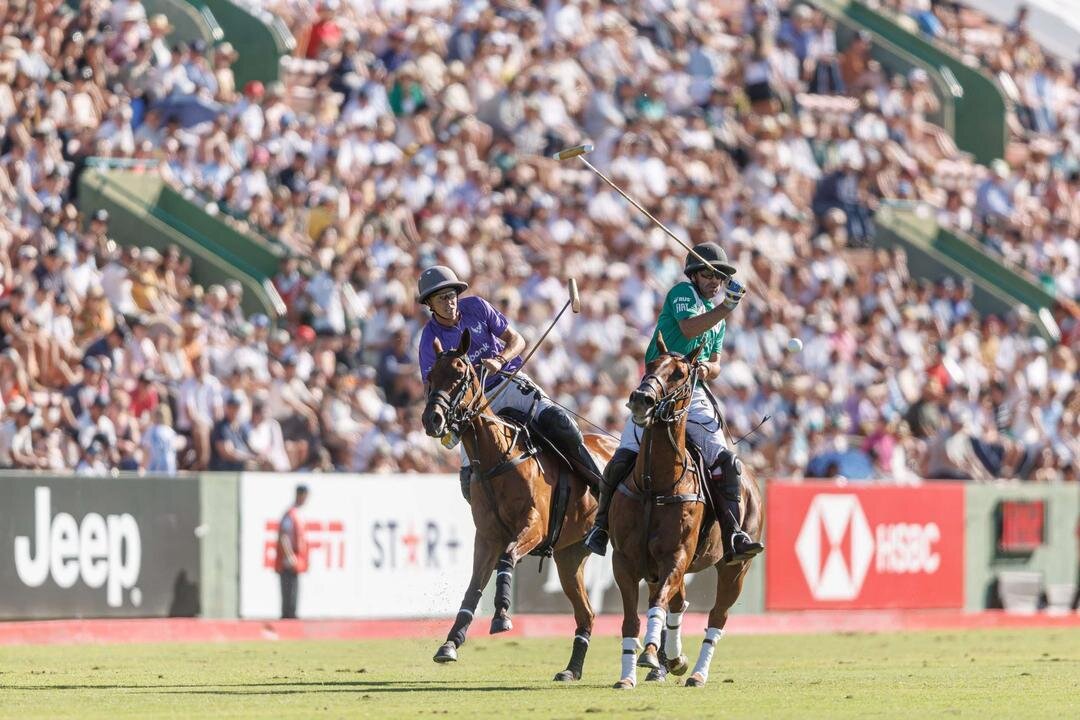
x=629, y=659
x=712, y=636
x=654, y=626
x=673, y=639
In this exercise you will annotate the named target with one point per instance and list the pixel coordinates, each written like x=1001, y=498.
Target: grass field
x=1016, y=674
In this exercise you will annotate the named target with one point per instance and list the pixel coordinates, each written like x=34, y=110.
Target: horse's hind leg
x=627, y=580
x=570, y=562
x=484, y=554
x=729, y=582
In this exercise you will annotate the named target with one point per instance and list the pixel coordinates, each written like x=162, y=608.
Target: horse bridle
x=667, y=401
x=458, y=415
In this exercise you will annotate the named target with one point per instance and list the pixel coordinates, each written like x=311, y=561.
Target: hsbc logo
x=836, y=546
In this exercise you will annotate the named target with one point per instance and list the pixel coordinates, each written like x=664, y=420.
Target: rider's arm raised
x=691, y=327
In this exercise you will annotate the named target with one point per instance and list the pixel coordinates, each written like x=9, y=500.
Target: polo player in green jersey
x=689, y=320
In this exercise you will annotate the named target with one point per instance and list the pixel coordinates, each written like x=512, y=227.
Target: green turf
x=1014, y=674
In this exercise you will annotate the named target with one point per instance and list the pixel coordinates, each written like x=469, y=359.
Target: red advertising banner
x=832, y=546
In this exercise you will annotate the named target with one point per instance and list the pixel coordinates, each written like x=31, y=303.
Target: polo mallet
x=574, y=303
x=579, y=152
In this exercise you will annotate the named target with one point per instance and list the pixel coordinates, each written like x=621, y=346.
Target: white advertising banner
x=379, y=545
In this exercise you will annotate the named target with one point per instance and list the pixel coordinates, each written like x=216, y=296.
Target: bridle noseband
x=458, y=414
x=666, y=409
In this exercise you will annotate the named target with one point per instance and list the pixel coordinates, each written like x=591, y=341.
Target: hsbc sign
x=835, y=547
x=864, y=547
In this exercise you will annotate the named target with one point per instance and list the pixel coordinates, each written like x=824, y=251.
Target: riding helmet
x=711, y=252
x=436, y=278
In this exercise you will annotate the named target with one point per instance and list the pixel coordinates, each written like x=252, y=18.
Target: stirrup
x=749, y=549
x=596, y=540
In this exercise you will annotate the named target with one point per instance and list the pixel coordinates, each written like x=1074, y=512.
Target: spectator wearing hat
x=229, y=448
x=94, y=424
x=92, y=461
x=224, y=55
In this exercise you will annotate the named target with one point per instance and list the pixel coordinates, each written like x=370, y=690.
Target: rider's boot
x=727, y=493
x=560, y=428
x=620, y=465
x=465, y=478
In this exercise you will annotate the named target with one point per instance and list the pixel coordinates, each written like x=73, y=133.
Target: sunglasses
x=445, y=296
x=712, y=275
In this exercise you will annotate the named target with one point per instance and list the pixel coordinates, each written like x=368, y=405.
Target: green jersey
x=683, y=301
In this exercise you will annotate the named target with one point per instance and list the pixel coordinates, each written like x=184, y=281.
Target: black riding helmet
x=436, y=278
x=711, y=252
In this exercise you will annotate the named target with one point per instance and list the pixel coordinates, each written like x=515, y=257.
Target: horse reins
x=666, y=411
x=459, y=418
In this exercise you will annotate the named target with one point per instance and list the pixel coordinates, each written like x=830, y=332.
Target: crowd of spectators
x=1027, y=207
x=407, y=136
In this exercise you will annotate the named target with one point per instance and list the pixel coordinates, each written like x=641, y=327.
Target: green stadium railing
x=260, y=38
x=144, y=211
x=897, y=60
x=981, y=107
x=189, y=23
x=934, y=252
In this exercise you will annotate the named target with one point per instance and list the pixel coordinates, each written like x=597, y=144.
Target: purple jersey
x=485, y=323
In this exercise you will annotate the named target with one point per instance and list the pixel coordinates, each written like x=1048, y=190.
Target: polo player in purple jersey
x=496, y=347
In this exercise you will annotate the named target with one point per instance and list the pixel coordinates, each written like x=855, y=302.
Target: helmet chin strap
x=449, y=321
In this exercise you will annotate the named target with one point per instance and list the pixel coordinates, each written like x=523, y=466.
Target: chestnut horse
x=662, y=529
x=512, y=488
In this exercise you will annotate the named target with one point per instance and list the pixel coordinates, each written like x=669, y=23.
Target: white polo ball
x=794, y=345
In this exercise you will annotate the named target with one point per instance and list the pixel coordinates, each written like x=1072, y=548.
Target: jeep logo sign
x=101, y=550
x=82, y=547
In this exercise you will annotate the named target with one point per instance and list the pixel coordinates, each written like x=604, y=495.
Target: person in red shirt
x=144, y=398
x=292, y=554
x=325, y=34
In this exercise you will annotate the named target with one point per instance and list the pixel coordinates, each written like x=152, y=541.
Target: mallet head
x=575, y=299
x=572, y=152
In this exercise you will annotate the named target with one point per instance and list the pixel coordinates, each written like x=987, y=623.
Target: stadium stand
x=398, y=137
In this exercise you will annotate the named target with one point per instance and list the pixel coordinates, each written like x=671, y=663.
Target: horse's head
x=453, y=385
x=664, y=392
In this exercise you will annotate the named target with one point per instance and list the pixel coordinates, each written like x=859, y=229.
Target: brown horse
x=662, y=529
x=512, y=488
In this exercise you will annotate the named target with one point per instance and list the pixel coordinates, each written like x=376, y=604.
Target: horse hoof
x=657, y=675
x=566, y=676
x=624, y=684
x=648, y=659
x=501, y=625
x=678, y=666
x=695, y=680
x=447, y=653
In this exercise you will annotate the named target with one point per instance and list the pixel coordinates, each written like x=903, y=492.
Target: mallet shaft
x=647, y=214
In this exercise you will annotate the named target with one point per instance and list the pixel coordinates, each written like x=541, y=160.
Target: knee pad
x=556, y=421
x=620, y=465
x=731, y=474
